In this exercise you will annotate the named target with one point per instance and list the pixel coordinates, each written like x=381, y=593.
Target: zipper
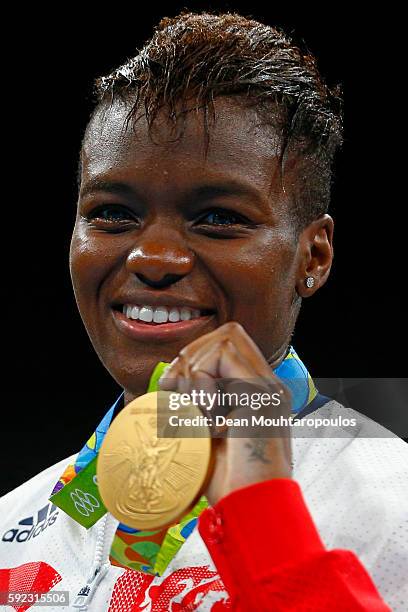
x=98, y=571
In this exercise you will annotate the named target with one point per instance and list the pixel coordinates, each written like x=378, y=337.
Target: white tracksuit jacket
x=356, y=489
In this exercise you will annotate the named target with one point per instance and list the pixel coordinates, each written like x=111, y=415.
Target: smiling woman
x=212, y=229
x=201, y=225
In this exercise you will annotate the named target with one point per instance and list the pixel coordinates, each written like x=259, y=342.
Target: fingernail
x=163, y=379
x=165, y=369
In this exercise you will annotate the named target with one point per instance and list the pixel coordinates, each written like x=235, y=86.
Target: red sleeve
x=269, y=555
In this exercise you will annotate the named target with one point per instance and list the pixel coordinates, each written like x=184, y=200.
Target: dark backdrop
x=54, y=389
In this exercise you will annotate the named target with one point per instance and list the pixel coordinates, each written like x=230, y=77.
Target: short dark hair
x=205, y=55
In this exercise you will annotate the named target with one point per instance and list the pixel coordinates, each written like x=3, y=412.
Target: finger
x=223, y=360
x=168, y=380
x=207, y=359
x=179, y=373
x=183, y=384
x=203, y=382
x=234, y=364
x=177, y=369
x=234, y=332
x=208, y=387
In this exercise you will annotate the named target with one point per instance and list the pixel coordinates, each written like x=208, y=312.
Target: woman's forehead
x=237, y=147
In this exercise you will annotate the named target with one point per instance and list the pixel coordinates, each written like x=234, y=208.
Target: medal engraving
x=145, y=481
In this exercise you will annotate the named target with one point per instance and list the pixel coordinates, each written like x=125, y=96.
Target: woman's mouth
x=144, y=321
x=160, y=314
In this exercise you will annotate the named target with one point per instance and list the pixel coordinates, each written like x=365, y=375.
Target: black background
x=54, y=389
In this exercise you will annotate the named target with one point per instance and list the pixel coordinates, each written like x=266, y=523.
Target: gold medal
x=148, y=481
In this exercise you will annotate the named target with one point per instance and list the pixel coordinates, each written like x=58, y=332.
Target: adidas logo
x=45, y=518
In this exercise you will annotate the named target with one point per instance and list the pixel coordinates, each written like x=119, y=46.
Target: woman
x=202, y=224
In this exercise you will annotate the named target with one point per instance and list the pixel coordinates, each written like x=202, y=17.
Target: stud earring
x=310, y=281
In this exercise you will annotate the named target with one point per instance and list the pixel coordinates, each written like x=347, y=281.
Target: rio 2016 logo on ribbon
x=80, y=497
x=84, y=503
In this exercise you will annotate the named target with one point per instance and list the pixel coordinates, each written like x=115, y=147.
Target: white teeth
x=174, y=315
x=134, y=312
x=146, y=314
x=185, y=314
x=160, y=315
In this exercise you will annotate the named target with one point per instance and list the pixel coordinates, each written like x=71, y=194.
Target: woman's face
x=163, y=225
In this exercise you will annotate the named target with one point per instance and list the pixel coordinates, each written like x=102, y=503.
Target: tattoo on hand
x=257, y=448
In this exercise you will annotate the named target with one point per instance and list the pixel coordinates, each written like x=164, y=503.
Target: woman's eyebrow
x=116, y=188
x=214, y=190
x=198, y=193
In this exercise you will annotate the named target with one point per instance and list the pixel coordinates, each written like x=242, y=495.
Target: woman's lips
x=139, y=330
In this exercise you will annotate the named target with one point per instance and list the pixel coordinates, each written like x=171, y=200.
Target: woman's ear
x=316, y=255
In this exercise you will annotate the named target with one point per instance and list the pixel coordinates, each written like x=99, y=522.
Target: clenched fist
x=228, y=353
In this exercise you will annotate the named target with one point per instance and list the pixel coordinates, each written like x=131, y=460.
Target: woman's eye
x=221, y=217
x=111, y=215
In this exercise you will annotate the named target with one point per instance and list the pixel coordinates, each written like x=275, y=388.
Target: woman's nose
x=159, y=263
